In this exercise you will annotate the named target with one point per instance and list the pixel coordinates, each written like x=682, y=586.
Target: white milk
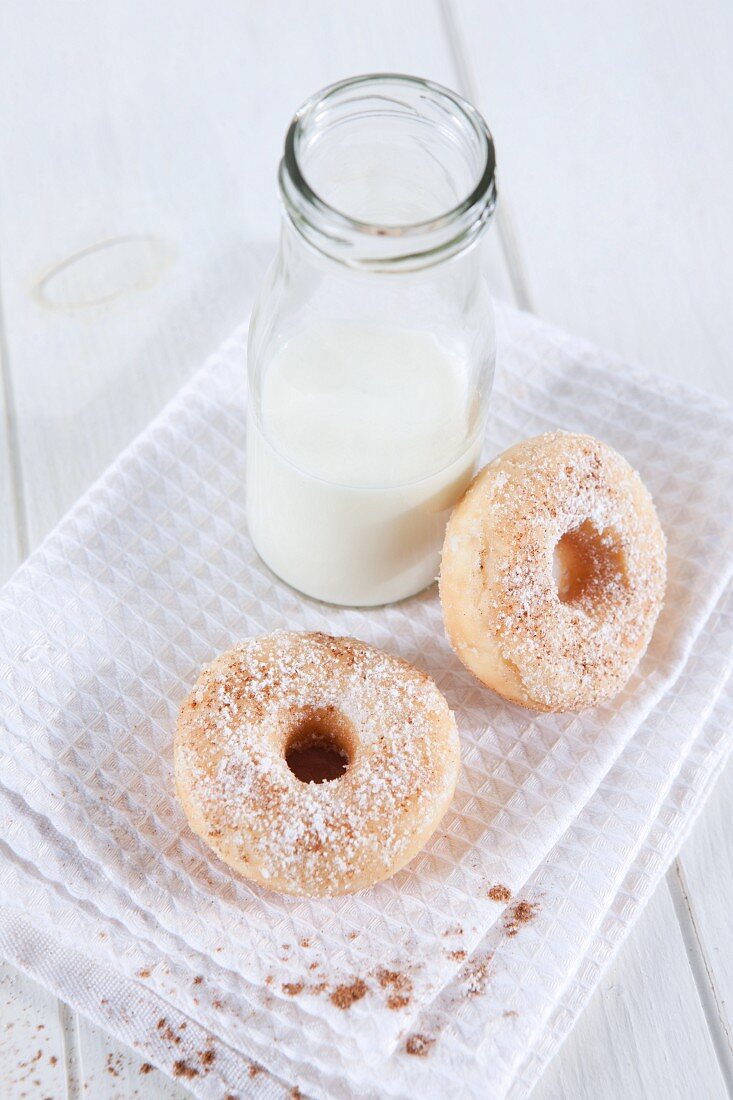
x=365, y=443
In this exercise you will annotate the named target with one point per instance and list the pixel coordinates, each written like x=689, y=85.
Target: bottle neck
x=388, y=173
x=301, y=259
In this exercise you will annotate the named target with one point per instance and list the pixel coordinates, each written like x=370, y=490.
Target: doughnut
x=553, y=572
x=314, y=765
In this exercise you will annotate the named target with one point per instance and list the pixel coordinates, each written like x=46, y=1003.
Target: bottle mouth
x=388, y=172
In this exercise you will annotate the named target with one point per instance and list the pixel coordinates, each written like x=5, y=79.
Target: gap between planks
x=702, y=973
x=509, y=245
x=12, y=449
x=505, y=229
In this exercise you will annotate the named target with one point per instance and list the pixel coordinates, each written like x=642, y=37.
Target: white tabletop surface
x=138, y=147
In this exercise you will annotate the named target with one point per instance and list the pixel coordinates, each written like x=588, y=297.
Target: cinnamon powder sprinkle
x=344, y=996
x=500, y=893
x=521, y=913
x=182, y=1069
x=146, y=1068
x=419, y=1045
x=206, y=1057
x=292, y=988
x=457, y=956
x=231, y=781
x=478, y=975
x=253, y=1070
x=399, y=986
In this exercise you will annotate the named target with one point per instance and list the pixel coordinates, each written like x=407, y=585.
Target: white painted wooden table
x=138, y=145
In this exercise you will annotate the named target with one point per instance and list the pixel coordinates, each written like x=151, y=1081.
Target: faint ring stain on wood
x=105, y=271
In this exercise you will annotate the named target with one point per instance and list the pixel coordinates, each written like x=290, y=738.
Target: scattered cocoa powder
x=217, y=1004
x=143, y=973
x=292, y=988
x=253, y=1069
x=146, y=1068
x=182, y=1069
x=305, y=943
x=313, y=966
x=500, y=893
x=206, y=1057
x=198, y=979
x=399, y=987
x=344, y=996
x=477, y=975
x=53, y=1059
x=114, y=1064
x=295, y=1093
x=419, y=1045
x=521, y=913
x=457, y=956
x=168, y=1033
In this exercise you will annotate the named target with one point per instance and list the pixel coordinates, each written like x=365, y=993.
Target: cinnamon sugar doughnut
x=553, y=573
x=371, y=737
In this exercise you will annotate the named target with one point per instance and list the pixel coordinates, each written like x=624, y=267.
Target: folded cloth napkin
x=152, y=573
x=549, y=986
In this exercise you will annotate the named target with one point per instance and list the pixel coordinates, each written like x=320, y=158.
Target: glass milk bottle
x=371, y=347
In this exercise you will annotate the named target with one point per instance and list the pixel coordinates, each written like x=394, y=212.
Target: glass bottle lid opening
x=388, y=172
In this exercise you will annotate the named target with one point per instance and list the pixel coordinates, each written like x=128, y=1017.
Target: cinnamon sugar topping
x=344, y=996
x=566, y=502
x=419, y=1045
x=312, y=837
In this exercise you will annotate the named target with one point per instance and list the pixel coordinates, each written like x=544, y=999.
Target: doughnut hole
x=320, y=746
x=588, y=566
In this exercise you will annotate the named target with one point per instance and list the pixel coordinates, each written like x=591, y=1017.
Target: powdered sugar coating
x=314, y=838
x=504, y=614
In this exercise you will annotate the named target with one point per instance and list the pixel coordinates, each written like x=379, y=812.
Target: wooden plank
x=643, y=1034
x=112, y=1070
x=614, y=132
x=32, y=1048
x=703, y=880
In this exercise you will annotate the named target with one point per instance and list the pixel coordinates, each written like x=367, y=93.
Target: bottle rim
x=373, y=245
